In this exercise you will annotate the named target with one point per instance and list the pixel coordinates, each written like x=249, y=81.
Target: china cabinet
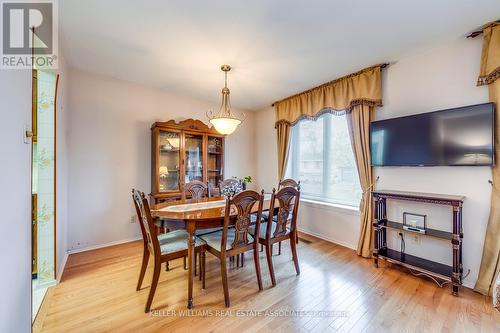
x=182, y=152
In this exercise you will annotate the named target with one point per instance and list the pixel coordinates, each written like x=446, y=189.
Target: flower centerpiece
x=231, y=189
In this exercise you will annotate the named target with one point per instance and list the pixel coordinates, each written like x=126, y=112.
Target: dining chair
x=237, y=240
x=163, y=247
x=196, y=189
x=288, y=182
x=275, y=231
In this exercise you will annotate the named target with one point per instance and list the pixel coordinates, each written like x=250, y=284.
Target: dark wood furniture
x=234, y=241
x=196, y=219
x=276, y=230
x=288, y=182
x=183, y=152
x=419, y=266
x=163, y=247
x=196, y=189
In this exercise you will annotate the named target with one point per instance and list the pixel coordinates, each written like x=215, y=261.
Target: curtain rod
x=476, y=33
x=383, y=65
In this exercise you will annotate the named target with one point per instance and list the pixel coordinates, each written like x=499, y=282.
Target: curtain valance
x=338, y=96
x=490, y=57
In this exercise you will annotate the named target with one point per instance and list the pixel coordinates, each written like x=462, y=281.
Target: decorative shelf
x=451, y=273
x=433, y=268
x=428, y=232
x=169, y=150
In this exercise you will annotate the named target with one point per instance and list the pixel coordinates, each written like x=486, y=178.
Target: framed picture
x=414, y=222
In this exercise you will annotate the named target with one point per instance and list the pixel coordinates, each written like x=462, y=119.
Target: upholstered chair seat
x=263, y=228
x=202, y=232
x=214, y=239
x=175, y=241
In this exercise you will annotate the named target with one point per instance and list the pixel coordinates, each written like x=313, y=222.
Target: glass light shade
x=163, y=171
x=225, y=125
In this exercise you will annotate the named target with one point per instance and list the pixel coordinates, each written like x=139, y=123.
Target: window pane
x=343, y=181
x=321, y=157
x=310, y=166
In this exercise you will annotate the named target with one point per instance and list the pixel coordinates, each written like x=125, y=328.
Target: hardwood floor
x=341, y=291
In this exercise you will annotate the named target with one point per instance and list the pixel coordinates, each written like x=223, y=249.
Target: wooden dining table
x=194, y=215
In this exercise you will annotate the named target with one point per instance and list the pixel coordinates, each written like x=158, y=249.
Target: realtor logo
x=29, y=35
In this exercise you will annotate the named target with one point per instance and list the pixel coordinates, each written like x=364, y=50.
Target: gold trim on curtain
x=358, y=122
x=283, y=136
x=490, y=57
x=490, y=73
x=338, y=96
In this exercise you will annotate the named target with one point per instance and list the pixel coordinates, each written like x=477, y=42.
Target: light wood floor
x=97, y=294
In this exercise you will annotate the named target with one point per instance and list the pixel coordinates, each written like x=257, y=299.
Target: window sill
x=351, y=210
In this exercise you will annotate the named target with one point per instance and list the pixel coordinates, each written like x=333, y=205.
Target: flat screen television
x=459, y=136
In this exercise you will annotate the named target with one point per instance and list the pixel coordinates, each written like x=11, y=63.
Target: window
x=321, y=157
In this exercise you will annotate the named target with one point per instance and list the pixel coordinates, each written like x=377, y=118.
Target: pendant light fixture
x=225, y=121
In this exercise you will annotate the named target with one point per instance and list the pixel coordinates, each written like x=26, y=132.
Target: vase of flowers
x=231, y=189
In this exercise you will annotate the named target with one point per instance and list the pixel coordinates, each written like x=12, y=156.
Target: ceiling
x=276, y=48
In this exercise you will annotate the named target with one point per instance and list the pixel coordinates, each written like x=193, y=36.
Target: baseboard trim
x=331, y=240
x=100, y=246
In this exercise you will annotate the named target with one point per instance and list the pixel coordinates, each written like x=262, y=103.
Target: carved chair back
x=289, y=182
x=288, y=198
x=146, y=223
x=197, y=189
x=243, y=202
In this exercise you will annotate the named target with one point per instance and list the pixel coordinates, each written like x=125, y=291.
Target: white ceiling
x=276, y=48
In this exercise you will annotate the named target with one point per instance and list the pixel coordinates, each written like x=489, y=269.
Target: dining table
x=196, y=214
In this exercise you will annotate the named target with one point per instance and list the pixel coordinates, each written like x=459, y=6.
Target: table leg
x=191, y=254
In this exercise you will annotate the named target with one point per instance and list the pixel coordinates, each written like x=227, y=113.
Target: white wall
x=15, y=202
x=436, y=79
x=109, y=152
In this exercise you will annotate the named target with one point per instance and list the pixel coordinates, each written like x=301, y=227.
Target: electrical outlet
x=133, y=219
x=416, y=239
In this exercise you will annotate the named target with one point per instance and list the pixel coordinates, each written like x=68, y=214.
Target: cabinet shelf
x=430, y=267
x=428, y=232
x=419, y=266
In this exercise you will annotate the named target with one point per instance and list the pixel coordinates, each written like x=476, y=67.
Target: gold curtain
x=283, y=133
x=355, y=95
x=490, y=74
x=358, y=121
x=339, y=96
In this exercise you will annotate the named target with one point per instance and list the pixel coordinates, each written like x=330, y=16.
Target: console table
x=420, y=266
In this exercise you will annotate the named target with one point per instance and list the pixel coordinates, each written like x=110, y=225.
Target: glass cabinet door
x=215, y=161
x=168, y=161
x=193, y=159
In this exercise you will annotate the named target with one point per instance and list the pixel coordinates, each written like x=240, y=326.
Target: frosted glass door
x=168, y=161
x=193, y=159
x=215, y=161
